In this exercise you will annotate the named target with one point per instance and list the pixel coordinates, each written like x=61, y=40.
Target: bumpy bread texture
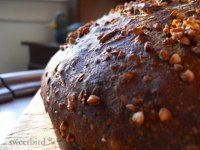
x=130, y=80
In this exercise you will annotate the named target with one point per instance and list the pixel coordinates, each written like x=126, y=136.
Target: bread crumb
x=70, y=139
x=187, y=76
x=175, y=59
x=184, y=41
x=93, y=100
x=164, y=114
x=138, y=118
x=63, y=126
x=164, y=55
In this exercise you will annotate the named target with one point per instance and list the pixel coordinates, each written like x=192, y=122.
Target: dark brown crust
x=109, y=89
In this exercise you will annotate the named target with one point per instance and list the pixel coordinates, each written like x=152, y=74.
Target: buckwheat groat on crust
x=130, y=80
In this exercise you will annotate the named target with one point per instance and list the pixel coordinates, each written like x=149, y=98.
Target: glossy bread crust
x=130, y=80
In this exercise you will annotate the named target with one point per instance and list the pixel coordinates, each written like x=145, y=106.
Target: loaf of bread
x=130, y=80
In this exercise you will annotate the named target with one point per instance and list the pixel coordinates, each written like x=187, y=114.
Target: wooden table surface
x=34, y=131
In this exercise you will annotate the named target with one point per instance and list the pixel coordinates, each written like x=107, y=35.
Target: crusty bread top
x=139, y=65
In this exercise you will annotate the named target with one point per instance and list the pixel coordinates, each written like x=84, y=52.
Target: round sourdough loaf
x=130, y=80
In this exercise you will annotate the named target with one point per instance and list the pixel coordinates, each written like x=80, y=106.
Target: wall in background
x=94, y=9
x=24, y=20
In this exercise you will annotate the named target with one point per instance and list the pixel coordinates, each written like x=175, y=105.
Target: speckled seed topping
x=184, y=30
x=130, y=79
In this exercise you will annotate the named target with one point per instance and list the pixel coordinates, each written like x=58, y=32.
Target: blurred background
x=27, y=21
x=30, y=33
